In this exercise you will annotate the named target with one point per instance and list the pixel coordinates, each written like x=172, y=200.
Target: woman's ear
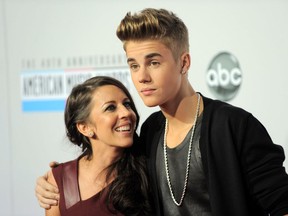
x=85, y=129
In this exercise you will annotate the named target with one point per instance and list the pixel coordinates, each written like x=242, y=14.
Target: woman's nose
x=125, y=112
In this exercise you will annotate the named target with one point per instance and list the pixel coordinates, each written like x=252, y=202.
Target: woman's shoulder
x=65, y=170
x=72, y=164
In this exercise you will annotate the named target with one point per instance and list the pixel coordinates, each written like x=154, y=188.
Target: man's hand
x=46, y=193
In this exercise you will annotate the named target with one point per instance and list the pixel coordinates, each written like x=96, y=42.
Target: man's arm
x=46, y=193
x=53, y=210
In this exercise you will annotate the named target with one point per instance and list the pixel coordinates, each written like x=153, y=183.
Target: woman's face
x=112, y=119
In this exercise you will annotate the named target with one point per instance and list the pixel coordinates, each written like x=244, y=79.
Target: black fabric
x=196, y=199
x=244, y=169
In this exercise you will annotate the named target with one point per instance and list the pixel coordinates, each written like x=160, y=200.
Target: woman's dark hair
x=78, y=108
x=128, y=193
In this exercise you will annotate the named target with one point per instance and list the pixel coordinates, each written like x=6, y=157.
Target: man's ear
x=185, y=62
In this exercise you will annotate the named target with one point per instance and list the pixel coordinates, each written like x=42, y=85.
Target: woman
x=109, y=178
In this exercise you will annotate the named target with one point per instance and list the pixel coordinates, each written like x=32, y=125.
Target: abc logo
x=224, y=76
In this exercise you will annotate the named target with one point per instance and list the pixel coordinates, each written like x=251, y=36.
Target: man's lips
x=147, y=91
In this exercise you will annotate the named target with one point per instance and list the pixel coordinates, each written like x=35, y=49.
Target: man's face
x=154, y=71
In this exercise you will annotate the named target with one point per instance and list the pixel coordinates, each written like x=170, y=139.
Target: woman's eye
x=110, y=108
x=127, y=104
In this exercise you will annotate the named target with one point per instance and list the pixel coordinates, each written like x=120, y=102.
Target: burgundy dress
x=70, y=204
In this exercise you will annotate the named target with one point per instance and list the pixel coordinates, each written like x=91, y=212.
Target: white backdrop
x=256, y=32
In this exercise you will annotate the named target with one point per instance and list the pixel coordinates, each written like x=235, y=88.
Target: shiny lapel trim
x=70, y=184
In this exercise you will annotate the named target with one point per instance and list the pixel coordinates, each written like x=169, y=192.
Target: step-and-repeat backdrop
x=239, y=51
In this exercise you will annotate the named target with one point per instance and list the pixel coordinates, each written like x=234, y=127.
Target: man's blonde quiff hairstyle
x=155, y=24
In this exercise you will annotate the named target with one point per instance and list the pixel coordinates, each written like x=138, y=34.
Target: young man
x=204, y=157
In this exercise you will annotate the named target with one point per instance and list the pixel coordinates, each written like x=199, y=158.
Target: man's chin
x=150, y=101
x=150, y=104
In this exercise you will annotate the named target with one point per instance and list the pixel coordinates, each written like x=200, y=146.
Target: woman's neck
x=99, y=161
x=93, y=173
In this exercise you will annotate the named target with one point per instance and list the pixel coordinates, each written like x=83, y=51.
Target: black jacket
x=244, y=169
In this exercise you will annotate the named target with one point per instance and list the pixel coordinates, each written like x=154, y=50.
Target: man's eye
x=133, y=67
x=154, y=63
